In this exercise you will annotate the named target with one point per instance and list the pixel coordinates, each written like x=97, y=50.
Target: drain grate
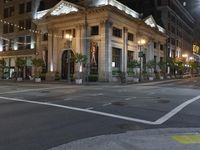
x=119, y=103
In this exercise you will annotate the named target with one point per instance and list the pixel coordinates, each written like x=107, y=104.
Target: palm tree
x=20, y=64
x=38, y=63
x=80, y=59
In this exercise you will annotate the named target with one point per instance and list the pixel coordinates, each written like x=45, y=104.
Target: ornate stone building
x=106, y=31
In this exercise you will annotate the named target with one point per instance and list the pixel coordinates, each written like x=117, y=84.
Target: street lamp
x=68, y=37
x=141, y=42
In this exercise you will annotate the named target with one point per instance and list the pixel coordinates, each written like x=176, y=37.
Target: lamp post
x=68, y=37
x=141, y=42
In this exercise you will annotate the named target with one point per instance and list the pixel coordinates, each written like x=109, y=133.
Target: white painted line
x=98, y=94
x=157, y=122
x=81, y=110
x=176, y=110
x=31, y=90
x=106, y=104
x=130, y=98
x=68, y=99
x=90, y=108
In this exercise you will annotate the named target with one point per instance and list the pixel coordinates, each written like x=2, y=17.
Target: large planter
x=151, y=78
x=37, y=80
x=79, y=81
x=135, y=79
x=19, y=79
x=161, y=78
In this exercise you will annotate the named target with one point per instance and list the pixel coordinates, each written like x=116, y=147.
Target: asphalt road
x=42, y=116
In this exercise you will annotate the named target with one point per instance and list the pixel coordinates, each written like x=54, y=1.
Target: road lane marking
x=157, y=122
x=68, y=99
x=106, y=104
x=90, y=108
x=174, y=111
x=31, y=90
x=130, y=98
x=81, y=110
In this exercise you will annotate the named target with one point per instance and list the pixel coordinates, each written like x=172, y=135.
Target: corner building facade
x=107, y=32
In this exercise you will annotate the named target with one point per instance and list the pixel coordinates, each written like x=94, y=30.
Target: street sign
x=140, y=54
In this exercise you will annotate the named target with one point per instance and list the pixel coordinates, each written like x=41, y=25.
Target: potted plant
x=38, y=63
x=162, y=66
x=150, y=65
x=2, y=64
x=20, y=64
x=80, y=60
x=133, y=65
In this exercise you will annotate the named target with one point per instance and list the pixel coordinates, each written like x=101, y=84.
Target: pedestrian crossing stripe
x=187, y=139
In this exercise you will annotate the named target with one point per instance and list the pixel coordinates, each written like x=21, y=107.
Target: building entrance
x=68, y=64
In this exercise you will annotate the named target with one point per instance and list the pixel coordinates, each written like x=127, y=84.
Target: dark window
x=5, y=43
x=130, y=37
x=28, y=42
x=155, y=45
x=117, y=32
x=28, y=24
x=29, y=7
x=74, y=33
x=173, y=41
x=161, y=47
x=159, y=2
x=116, y=58
x=95, y=30
x=8, y=12
x=21, y=8
x=45, y=37
x=21, y=41
x=155, y=62
x=130, y=56
x=11, y=28
x=5, y=28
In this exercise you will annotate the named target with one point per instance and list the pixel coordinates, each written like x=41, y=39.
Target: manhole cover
x=163, y=101
x=129, y=127
x=119, y=103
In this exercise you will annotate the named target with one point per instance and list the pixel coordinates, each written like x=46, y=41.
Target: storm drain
x=119, y=103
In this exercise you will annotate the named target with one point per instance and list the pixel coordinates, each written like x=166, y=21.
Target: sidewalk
x=64, y=82
x=159, y=139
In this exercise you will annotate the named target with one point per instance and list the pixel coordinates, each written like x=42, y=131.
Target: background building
x=177, y=21
x=17, y=34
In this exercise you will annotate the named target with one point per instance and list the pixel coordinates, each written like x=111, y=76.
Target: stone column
x=125, y=50
x=105, y=54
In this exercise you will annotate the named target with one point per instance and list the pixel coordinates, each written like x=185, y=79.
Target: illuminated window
x=116, y=58
x=28, y=42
